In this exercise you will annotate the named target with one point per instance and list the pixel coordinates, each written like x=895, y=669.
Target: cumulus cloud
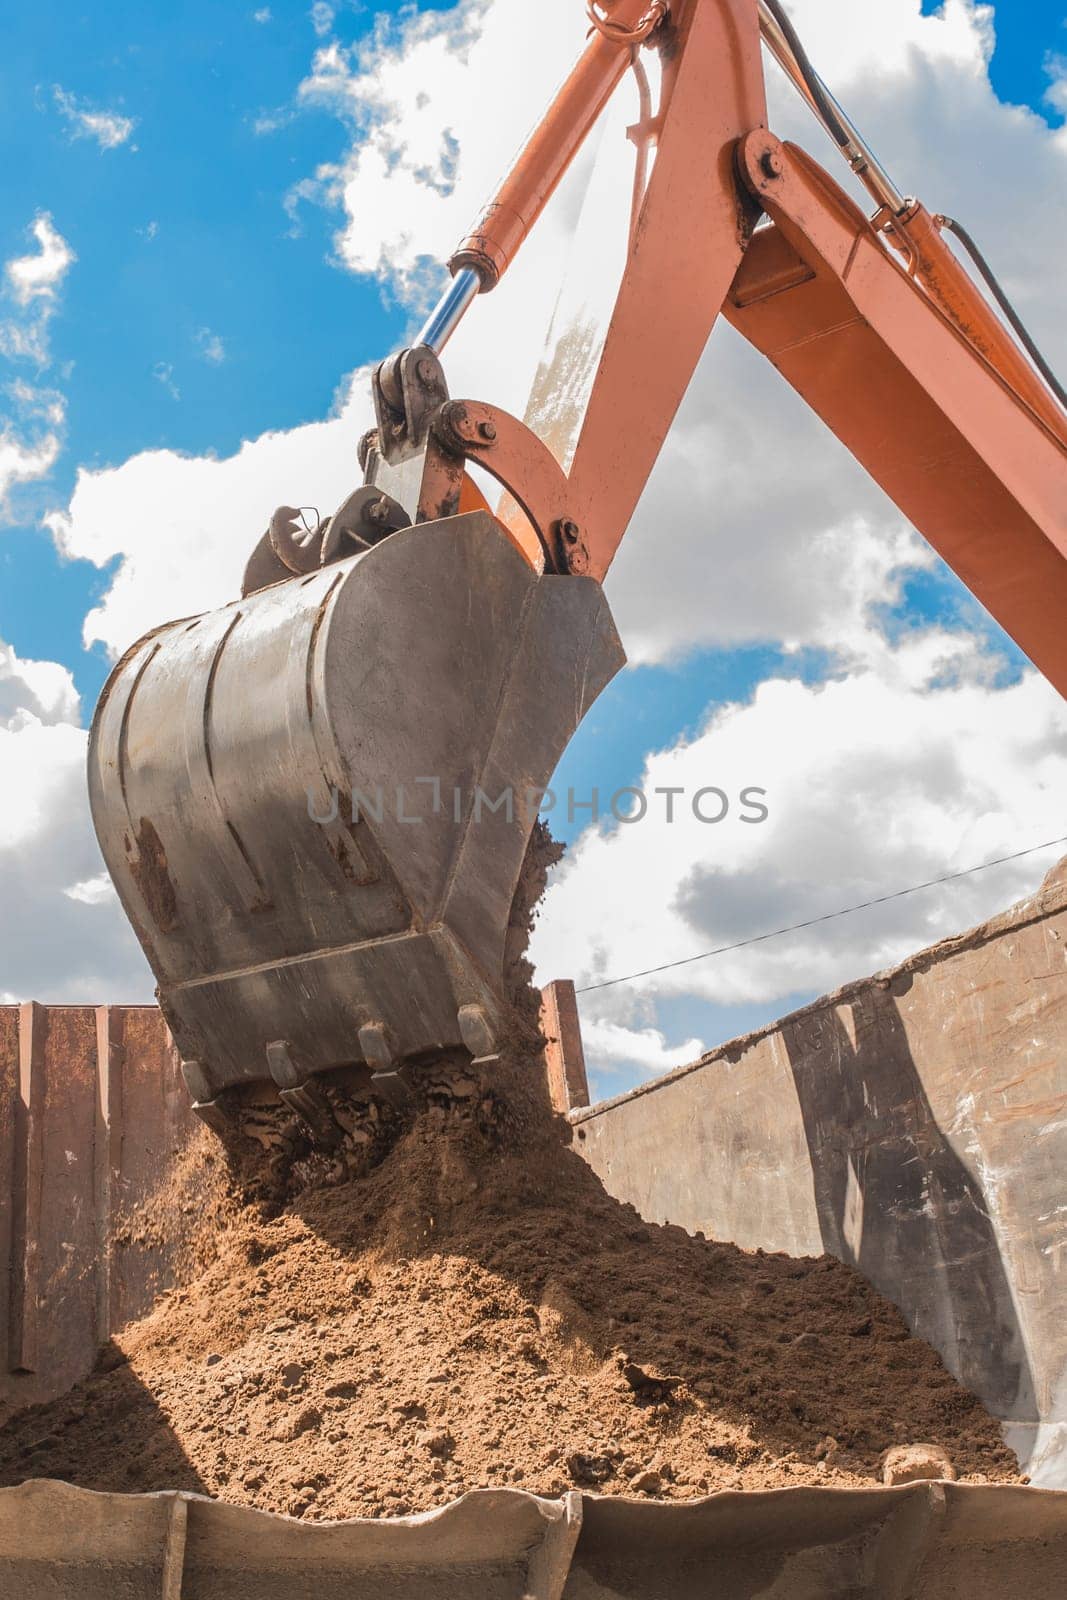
x=41, y=690
x=21, y=462
x=911, y=767
x=206, y=515
x=92, y=891
x=108, y=128
x=269, y=122
x=31, y=430
x=38, y=401
x=1056, y=93
x=61, y=938
x=38, y=275
x=612, y=1046
x=32, y=283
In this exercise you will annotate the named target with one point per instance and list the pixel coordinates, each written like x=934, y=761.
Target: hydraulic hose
x=815, y=86
x=995, y=288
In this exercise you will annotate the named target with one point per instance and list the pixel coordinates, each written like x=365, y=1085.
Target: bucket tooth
x=197, y=1081
x=376, y=1047
x=209, y=1109
x=476, y=1032
x=303, y=1094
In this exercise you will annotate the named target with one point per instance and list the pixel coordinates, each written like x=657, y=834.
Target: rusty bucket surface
x=315, y=802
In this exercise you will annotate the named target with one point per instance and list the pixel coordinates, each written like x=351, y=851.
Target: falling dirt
x=476, y=1310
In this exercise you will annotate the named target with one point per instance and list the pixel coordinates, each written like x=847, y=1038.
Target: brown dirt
x=459, y=1317
x=476, y=1310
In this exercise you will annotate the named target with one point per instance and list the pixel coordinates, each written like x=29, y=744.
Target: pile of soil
x=474, y=1309
x=478, y=1311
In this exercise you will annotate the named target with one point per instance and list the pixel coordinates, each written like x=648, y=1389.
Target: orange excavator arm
x=872, y=319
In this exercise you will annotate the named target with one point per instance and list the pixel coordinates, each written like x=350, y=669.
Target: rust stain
x=153, y=879
x=1033, y=1110
x=351, y=861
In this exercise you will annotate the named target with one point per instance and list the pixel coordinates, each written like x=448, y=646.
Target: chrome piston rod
x=857, y=151
x=450, y=310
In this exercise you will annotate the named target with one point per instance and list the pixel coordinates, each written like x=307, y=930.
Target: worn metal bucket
x=315, y=802
x=922, y=1541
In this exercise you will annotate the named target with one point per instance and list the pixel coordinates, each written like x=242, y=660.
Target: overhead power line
x=828, y=916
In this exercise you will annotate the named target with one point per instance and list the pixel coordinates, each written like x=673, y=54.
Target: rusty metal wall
x=928, y=1541
x=561, y=1028
x=93, y=1112
x=915, y=1125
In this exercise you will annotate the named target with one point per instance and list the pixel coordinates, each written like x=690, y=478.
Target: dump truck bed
x=929, y=1541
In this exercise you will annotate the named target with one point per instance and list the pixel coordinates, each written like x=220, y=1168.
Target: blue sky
x=202, y=311
x=1029, y=32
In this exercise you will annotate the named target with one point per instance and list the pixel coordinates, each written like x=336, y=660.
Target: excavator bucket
x=315, y=802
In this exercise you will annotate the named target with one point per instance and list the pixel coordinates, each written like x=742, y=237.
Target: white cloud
x=92, y=891
x=60, y=940
x=210, y=347
x=31, y=434
x=270, y=122
x=893, y=774
x=263, y=15
x=38, y=402
x=899, y=42
x=163, y=372
x=207, y=515
x=322, y=16
x=1056, y=93
x=21, y=462
x=38, y=276
x=42, y=690
x=109, y=128
x=33, y=282
x=610, y=1047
